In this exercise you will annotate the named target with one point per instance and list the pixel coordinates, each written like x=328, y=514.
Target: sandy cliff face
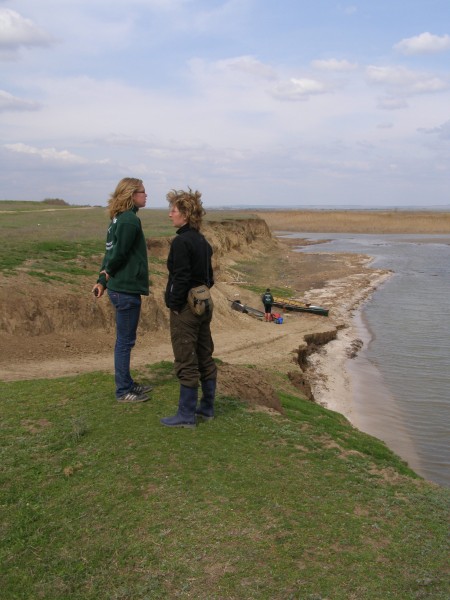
x=229, y=239
x=31, y=308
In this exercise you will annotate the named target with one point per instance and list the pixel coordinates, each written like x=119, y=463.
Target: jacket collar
x=185, y=227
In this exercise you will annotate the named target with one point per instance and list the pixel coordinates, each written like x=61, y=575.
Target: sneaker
x=139, y=389
x=131, y=397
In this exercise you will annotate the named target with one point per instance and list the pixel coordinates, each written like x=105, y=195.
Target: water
x=401, y=378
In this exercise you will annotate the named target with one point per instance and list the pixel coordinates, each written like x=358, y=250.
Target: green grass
x=98, y=500
x=276, y=291
x=47, y=241
x=50, y=258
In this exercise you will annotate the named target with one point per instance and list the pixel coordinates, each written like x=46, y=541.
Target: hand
x=98, y=290
x=105, y=274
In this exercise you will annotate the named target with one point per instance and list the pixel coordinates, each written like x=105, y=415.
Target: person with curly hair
x=124, y=274
x=189, y=265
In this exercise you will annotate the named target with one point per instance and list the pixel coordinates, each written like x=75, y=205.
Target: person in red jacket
x=124, y=273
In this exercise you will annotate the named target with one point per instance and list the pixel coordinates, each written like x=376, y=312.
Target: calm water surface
x=402, y=377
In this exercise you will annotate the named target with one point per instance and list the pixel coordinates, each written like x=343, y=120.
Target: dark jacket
x=267, y=299
x=126, y=260
x=189, y=265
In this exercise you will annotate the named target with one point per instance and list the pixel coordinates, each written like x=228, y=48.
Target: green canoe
x=291, y=304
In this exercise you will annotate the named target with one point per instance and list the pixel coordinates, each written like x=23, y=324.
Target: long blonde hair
x=189, y=204
x=122, y=197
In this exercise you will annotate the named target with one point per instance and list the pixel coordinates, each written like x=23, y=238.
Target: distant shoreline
x=7, y=206
x=358, y=221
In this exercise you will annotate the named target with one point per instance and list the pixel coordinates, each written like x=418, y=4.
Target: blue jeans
x=128, y=309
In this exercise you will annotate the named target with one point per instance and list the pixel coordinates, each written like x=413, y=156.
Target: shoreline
x=394, y=387
x=346, y=382
x=375, y=406
x=332, y=384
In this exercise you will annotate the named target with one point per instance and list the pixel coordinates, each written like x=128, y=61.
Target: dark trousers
x=192, y=346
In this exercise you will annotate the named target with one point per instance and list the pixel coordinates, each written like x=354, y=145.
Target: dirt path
x=238, y=338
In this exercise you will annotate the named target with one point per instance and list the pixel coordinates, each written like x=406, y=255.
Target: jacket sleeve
x=102, y=277
x=180, y=281
x=124, y=239
x=210, y=269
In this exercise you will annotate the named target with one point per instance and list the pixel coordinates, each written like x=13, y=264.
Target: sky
x=290, y=103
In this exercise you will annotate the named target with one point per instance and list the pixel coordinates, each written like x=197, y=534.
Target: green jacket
x=126, y=260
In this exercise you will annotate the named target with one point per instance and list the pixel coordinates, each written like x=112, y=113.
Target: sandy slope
x=238, y=338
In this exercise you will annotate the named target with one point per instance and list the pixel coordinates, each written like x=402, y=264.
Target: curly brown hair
x=189, y=204
x=122, y=197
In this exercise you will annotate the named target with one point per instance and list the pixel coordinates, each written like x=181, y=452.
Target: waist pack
x=199, y=300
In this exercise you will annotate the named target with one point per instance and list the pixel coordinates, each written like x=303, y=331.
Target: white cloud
x=226, y=15
x=348, y=9
x=223, y=95
x=391, y=103
x=17, y=31
x=425, y=43
x=430, y=84
x=442, y=131
x=407, y=81
x=333, y=64
x=248, y=65
x=10, y=102
x=351, y=10
x=47, y=154
x=298, y=89
x=385, y=125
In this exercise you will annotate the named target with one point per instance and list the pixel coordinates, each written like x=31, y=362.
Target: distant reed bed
x=358, y=221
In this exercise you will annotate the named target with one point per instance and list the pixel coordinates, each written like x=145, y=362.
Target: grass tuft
x=79, y=428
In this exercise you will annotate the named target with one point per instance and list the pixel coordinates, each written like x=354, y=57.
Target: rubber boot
x=185, y=416
x=206, y=408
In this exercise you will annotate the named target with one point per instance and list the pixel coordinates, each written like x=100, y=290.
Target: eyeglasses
x=140, y=192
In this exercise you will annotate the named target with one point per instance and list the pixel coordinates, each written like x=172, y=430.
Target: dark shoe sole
x=185, y=425
x=204, y=417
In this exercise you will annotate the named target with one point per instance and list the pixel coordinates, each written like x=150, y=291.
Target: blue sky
x=253, y=102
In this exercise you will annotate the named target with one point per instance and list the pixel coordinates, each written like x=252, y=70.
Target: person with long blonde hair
x=124, y=274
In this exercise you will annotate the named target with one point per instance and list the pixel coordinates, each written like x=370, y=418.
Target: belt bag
x=199, y=300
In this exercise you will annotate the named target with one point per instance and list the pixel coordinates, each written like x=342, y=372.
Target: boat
x=297, y=305
x=244, y=308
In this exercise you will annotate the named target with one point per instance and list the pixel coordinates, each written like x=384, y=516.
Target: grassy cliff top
x=99, y=500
